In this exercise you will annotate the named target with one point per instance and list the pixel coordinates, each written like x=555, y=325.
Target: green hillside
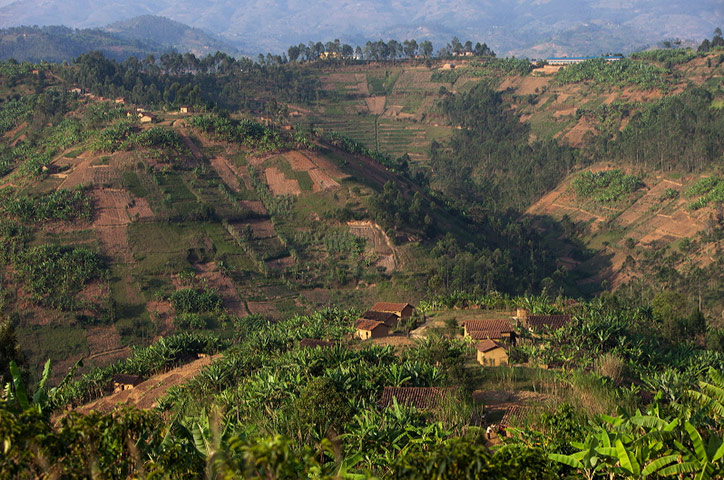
x=211, y=229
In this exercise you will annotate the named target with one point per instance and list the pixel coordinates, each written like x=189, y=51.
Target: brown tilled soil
x=298, y=161
x=262, y=228
x=146, y=394
x=322, y=181
x=253, y=206
x=224, y=286
x=11, y=134
x=81, y=172
x=376, y=105
x=115, y=209
x=264, y=308
x=575, y=135
x=191, y=145
x=226, y=173
x=279, y=184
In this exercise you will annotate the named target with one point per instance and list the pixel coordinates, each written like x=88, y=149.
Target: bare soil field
x=262, y=228
x=376, y=105
x=147, y=394
x=575, y=135
x=228, y=176
x=279, y=184
x=263, y=308
x=161, y=313
x=322, y=181
x=81, y=172
x=254, y=206
x=281, y=263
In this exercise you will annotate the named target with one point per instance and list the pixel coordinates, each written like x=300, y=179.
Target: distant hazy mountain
x=137, y=37
x=521, y=27
x=57, y=44
x=163, y=31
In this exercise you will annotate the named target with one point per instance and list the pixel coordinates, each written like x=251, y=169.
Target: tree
x=426, y=47
x=410, y=48
x=293, y=53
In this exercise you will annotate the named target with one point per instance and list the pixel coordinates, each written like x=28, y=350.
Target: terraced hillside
x=191, y=232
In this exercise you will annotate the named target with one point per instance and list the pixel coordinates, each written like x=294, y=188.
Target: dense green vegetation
x=606, y=186
x=679, y=132
x=53, y=274
x=491, y=161
x=65, y=205
x=624, y=390
x=268, y=395
x=614, y=74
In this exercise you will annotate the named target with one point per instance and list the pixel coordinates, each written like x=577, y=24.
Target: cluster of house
x=496, y=336
x=377, y=321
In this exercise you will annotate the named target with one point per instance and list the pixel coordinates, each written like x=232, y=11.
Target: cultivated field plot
x=209, y=272
x=279, y=184
x=377, y=242
x=300, y=162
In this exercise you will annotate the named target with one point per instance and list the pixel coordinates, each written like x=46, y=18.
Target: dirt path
x=146, y=394
x=110, y=352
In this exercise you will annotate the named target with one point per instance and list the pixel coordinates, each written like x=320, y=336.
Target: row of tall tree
x=382, y=51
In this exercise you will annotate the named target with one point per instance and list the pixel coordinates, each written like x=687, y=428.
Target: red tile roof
x=488, y=345
x=389, y=307
x=364, y=324
x=419, y=397
x=387, y=317
x=498, y=325
x=489, y=334
x=313, y=342
x=547, y=322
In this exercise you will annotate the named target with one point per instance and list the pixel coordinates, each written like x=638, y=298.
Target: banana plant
x=16, y=392
x=588, y=460
x=702, y=459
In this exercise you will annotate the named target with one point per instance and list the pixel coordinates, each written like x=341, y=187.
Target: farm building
x=418, y=397
x=546, y=322
x=370, y=329
x=186, y=109
x=491, y=353
x=123, y=382
x=146, y=117
x=314, y=343
x=574, y=60
x=402, y=310
x=388, y=318
x=492, y=329
x=541, y=323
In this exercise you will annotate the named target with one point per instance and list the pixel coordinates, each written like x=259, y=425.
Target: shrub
x=606, y=186
x=192, y=300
